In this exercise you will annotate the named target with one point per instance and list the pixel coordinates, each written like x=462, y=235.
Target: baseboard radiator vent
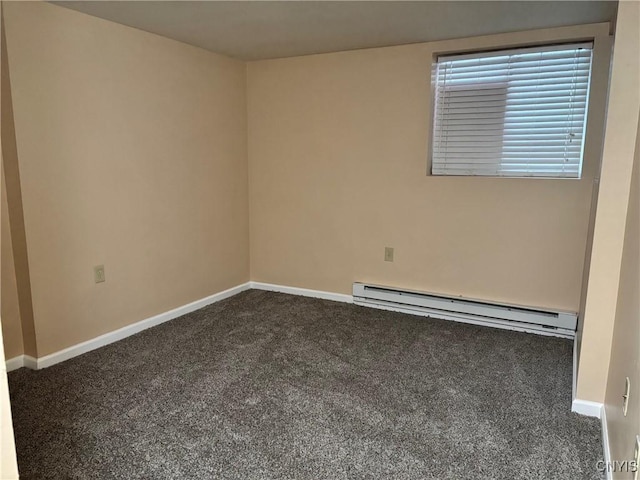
x=467, y=310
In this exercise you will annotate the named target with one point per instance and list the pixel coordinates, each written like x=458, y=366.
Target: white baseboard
x=30, y=362
x=574, y=379
x=304, y=292
x=21, y=361
x=14, y=363
x=586, y=407
x=606, y=449
x=124, y=332
x=129, y=330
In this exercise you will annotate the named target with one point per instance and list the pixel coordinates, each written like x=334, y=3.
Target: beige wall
x=338, y=158
x=9, y=306
x=132, y=154
x=15, y=290
x=8, y=460
x=625, y=349
x=586, y=270
x=611, y=212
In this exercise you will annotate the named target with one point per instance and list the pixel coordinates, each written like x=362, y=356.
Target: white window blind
x=515, y=113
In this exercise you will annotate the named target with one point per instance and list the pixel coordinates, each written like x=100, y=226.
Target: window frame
x=541, y=46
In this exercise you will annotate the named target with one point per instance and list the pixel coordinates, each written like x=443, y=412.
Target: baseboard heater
x=467, y=310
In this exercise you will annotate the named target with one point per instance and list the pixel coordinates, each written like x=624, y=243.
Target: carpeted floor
x=268, y=386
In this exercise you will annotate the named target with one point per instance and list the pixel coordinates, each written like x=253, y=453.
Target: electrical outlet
x=388, y=254
x=98, y=273
x=625, y=396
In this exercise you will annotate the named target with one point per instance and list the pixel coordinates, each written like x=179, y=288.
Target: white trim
x=14, y=363
x=606, y=449
x=575, y=369
x=515, y=51
x=30, y=362
x=587, y=407
x=124, y=332
x=21, y=361
x=304, y=292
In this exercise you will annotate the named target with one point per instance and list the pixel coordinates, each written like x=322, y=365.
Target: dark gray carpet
x=266, y=386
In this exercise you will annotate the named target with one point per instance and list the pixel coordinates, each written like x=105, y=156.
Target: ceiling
x=252, y=30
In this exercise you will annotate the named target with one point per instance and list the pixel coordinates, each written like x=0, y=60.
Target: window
x=515, y=113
